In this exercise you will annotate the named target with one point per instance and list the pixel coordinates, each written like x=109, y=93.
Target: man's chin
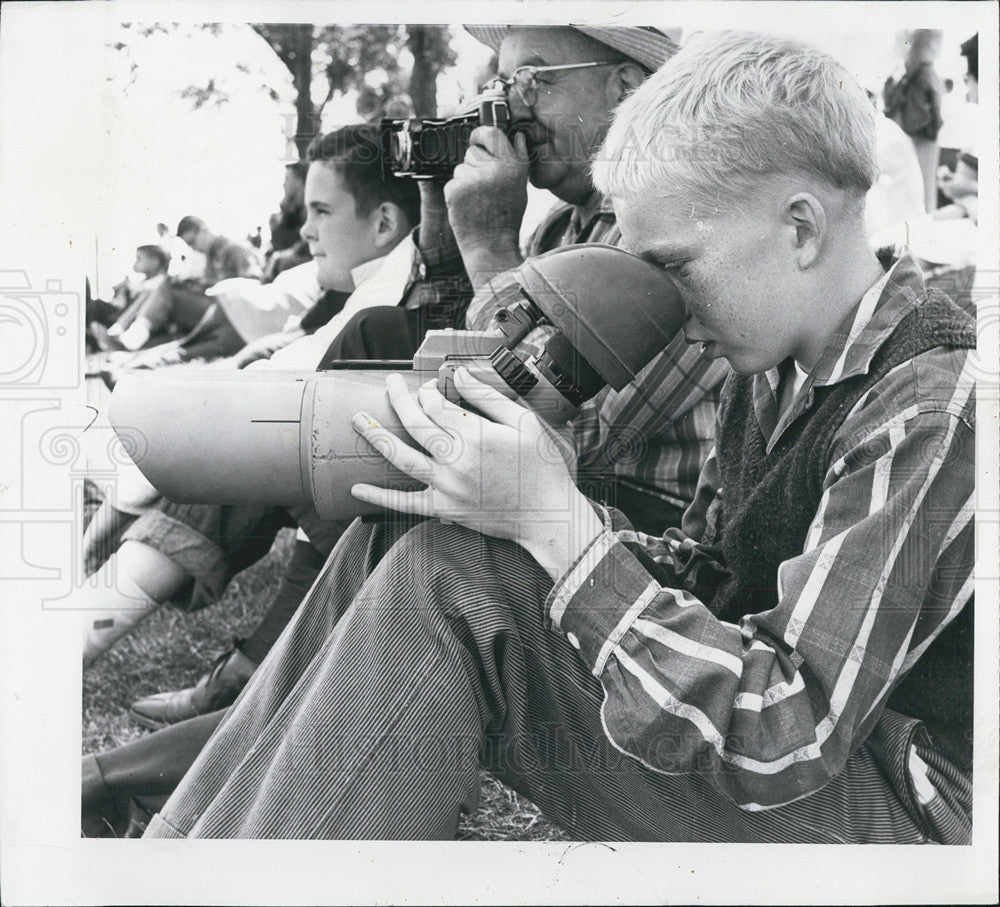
x=539, y=174
x=560, y=180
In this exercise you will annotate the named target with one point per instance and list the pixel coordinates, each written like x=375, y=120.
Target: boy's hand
x=505, y=478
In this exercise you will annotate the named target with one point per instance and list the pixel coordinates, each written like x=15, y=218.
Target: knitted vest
x=770, y=500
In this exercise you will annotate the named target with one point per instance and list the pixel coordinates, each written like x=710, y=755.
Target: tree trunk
x=293, y=45
x=423, y=79
x=306, y=125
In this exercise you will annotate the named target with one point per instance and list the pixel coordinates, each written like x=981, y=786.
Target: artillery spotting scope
x=285, y=437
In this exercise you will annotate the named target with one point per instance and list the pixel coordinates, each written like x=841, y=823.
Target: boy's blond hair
x=732, y=107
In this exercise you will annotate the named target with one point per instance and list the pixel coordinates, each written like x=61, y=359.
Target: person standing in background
x=914, y=102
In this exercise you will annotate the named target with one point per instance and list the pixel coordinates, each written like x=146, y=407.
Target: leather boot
x=218, y=689
x=102, y=815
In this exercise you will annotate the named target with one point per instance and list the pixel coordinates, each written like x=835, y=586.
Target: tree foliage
x=392, y=68
x=365, y=59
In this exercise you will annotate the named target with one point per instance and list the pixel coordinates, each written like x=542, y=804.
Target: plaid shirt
x=770, y=710
x=656, y=432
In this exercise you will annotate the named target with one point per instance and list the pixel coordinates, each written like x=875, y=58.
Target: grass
x=171, y=650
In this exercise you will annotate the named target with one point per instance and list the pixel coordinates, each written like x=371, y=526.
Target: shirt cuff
x=599, y=597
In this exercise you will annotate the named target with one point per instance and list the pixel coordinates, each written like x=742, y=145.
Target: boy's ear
x=805, y=213
x=390, y=224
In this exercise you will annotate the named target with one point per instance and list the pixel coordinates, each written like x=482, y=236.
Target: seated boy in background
x=124, y=323
x=355, y=219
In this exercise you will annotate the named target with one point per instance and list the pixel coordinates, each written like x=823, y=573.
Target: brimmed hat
x=649, y=46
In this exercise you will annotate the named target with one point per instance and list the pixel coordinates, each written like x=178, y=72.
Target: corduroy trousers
x=423, y=653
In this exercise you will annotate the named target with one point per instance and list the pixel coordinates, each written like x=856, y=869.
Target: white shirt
x=257, y=309
x=379, y=282
x=896, y=199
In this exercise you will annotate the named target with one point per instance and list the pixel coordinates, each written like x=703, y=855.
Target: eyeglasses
x=523, y=79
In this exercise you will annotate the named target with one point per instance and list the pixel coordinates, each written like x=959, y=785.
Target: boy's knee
x=462, y=570
x=436, y=547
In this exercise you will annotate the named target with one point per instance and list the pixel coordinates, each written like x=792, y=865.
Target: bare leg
x=102, y=535
x=131, y=584
x=928, y=154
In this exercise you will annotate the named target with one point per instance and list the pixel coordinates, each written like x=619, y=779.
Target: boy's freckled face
x=733, y=273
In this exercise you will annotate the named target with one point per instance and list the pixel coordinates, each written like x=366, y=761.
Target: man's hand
x=486, y=199
x=505, y=478
x=434, y=230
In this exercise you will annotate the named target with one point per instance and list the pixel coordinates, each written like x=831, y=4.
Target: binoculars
x=280, y=437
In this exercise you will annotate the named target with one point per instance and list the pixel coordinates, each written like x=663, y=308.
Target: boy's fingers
x=490, y=401
x=399, y=454
x=416, y=420
x=417, y=502
x=451, y=417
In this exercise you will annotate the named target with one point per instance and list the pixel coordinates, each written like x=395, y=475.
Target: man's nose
x=306, y=230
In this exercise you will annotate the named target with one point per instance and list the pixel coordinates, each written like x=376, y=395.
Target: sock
x=302, y=570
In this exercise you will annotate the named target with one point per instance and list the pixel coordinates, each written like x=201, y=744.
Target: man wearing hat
x=563, y=85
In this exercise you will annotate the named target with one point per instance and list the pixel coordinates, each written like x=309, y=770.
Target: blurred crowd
x=940, y=119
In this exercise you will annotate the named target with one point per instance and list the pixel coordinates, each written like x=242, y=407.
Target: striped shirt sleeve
x=666, y=390
x=770, y=710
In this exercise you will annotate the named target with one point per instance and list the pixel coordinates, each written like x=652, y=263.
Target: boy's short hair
x=732, y=107
x=188, y=223
x=157, y=252
x=355, y=153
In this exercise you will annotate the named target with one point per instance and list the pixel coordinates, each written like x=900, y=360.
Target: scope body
x=259, y=437
x=283, y=437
